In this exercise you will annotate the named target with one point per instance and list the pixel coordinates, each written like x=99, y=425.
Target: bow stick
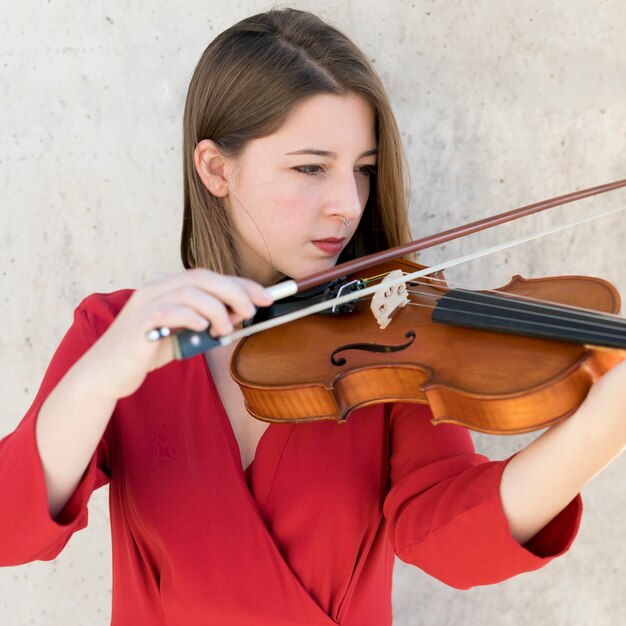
x=190, y=343
x=356, y=265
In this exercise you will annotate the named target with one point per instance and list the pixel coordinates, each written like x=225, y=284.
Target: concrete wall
x=500, y=104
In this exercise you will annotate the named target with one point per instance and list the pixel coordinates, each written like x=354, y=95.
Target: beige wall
x=500, y=104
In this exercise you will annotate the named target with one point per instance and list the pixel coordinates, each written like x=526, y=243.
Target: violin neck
x=531, y=318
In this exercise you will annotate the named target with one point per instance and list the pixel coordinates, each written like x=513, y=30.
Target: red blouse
x=306, y=536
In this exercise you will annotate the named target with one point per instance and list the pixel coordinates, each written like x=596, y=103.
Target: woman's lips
x=330, y=246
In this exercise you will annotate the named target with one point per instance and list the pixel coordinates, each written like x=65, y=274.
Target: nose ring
x=346, y=222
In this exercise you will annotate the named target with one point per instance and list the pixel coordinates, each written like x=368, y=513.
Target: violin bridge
x=388, y=298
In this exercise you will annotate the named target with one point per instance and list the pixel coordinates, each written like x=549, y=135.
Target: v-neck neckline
x=272, y=442
x=284, y=431
x=247, y=431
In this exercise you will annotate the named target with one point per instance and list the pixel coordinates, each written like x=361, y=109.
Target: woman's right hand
x=194, y=299
x=74, y=416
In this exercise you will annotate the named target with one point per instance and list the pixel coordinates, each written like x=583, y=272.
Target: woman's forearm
x=542, y=479
x=69, y=426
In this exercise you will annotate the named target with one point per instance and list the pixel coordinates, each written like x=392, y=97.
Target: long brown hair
x=245, y=85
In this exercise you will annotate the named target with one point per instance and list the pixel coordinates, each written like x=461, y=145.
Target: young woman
x=292, y=160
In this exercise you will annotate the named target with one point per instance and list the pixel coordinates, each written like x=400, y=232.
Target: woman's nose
x=349, y=197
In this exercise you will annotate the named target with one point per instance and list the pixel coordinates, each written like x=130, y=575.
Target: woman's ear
x=211, y=166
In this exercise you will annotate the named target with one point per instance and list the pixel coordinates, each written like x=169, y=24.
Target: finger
x=257, y=292
x=240, y=296
x=211, y=308
x=170, y=315
x=229, y=288
x=162, y=283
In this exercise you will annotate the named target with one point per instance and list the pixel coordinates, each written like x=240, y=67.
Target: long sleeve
x=27, y=530
x=444, y=509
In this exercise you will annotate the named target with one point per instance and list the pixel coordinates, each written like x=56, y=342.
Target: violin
x=452, y=349
x=507, y=361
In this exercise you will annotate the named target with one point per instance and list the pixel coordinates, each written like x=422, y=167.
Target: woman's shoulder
x=100, y=309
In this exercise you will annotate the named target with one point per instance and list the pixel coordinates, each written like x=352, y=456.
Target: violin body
x=321, y=367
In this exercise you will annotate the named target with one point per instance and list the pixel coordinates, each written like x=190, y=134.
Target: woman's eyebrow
x=329, y=154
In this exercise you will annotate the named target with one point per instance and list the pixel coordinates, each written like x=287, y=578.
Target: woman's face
x=289, y=192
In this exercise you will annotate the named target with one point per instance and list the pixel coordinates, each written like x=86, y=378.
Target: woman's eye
x=309, y=169
x=367, y=170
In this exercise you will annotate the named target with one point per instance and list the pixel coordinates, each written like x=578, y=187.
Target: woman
x=292, y=161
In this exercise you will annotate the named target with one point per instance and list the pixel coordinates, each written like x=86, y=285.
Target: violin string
x=536, y=324
x=560, y=322
x=586, y=315
x=555, y=308
x=583, y=313
x=554, y=317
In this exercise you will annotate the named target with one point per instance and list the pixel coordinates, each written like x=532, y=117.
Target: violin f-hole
x=371, y=347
